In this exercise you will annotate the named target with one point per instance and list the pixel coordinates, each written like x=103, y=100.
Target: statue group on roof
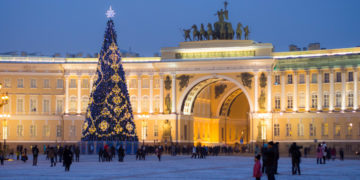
x=220, y=30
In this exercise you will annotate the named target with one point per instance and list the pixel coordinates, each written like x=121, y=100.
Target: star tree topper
x=110, y=13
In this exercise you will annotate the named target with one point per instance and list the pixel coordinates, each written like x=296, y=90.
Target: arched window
x=133, y=101
x=156, y=103
x=84, y=103
x=73, y=104
x=145, y=104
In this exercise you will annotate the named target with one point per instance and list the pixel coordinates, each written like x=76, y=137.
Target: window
x=302, y=79
x=312, y=129
x=349, y=129
x=337, y=130
x=300, y=129
x=58, y=131
x=84, y=103
x=133, y=101
x=7, y=83
x=276, y=130
x=46, y=105
x=46, y=131
x=59, y=106
x=350, y=76
x=156, y=130
x=314, y=100
x=338, y=99
x=72, y=131
x=20, y=130
x=6, y=107
x=72, y=83
x=324, y=129
x=350, y=99
x=277, y=102
x=288, y=130
x=326, y=78
x=46, y=83
x=20, y=105
x=33, y=105
x=302, y=100
x=133, y=83
x=73, y=104
x=326, y=100
x=157, y=83
x=85, y=83
x=33, y=83
x=145, y=83
x=313, y=78
x=20, y=83
x=32, y=130
x=289, y=78
x=59, y=83
x=290, y=102
x=145, y=104
x=144, y=130
x=157, y=104
x=277, y=80
x=338, y=76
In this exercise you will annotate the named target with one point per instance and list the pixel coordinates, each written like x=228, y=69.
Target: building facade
x=210, y=92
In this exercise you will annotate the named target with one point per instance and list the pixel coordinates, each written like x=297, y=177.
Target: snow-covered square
x=176, y=167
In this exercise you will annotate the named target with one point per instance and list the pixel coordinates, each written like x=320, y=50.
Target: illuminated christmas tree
x=109, y=115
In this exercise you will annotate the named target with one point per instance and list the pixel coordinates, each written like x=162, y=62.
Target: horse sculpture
x=203, y=33
x=210, y=32
x=196, y=34
x=187, y=34
x=238, y=31
x=247, y=32
x=230, y=31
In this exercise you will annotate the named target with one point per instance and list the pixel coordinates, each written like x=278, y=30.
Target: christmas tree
x=109, y=115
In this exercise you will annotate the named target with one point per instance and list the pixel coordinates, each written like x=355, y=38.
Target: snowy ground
x=179, y=167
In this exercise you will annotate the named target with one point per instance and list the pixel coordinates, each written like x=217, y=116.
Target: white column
x=343, y=88
x=269, y=95
x=295, y=106
x=161, y=109
x=320, y=94
x=256, y=92
x=173, y=90
x=307, y=91
x=283, y=100
x=91, y=83
x=332, y=92
x=139, y=94
x=79, y=95
x=151, y=79
x=355, y=88
x=66, y=94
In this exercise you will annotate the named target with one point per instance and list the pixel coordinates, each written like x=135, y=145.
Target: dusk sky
x=146, y=26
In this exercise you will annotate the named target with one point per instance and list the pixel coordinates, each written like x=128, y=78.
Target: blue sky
x=54, y=26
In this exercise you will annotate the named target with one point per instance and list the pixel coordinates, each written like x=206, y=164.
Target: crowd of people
x=324, y=153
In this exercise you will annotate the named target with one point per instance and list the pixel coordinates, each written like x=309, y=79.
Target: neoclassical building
x=209, y=92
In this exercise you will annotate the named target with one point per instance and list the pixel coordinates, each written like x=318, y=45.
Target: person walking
x=35, y=152
x=270, y=161
x=324, y=152
x=263, y=149
x=277, y=156
x=67, y=157
x=158, y=152
x=24, y=156
x=51, y=154
x=77, y=154
x=295, y=158
x=333, y=153
x=341, y=152
x=2, y=156
x=257, y=168
x=319, y=154
x=121, y=154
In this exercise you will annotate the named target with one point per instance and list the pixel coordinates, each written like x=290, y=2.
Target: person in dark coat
x=263, y=157
x=295, y=158
x=67, y=157
x=277, y=156
x=121, y=154
x=270, y=158
x=35, y=152
x=77, y=154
